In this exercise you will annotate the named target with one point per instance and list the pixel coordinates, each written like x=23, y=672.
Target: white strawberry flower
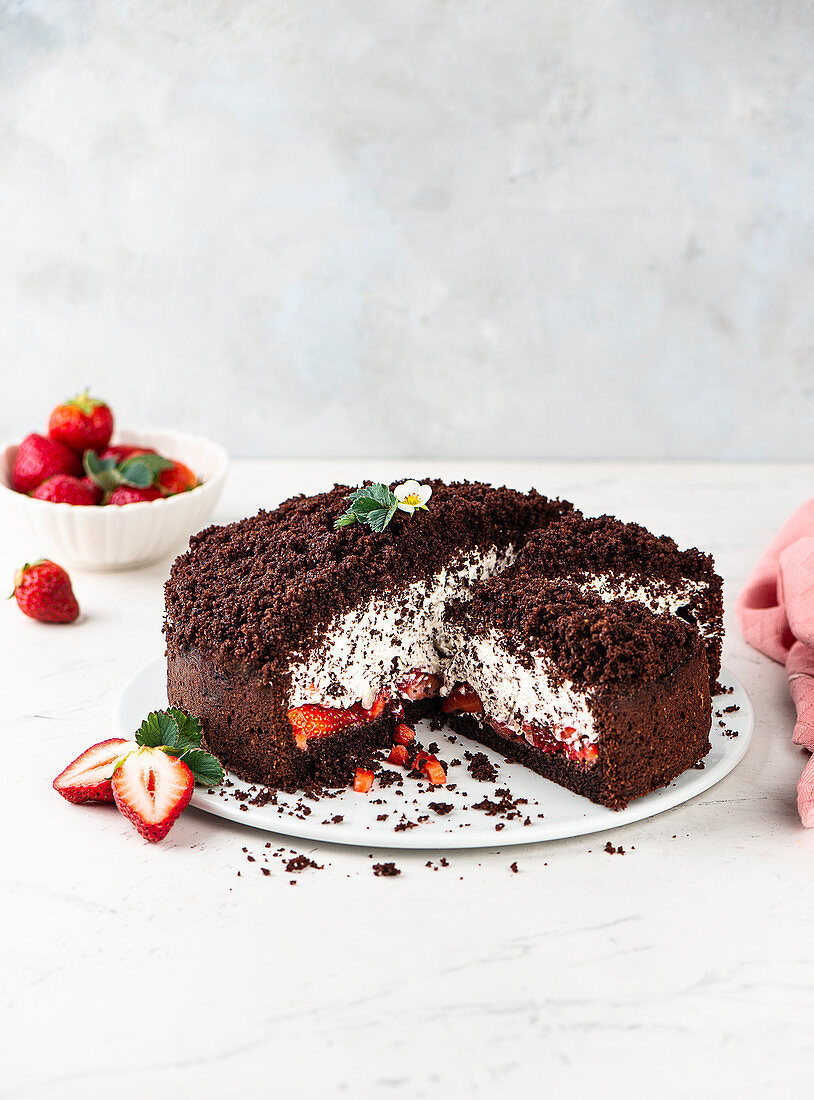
x=411, y=496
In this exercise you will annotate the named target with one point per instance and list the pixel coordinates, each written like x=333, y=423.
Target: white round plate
x=554, y=812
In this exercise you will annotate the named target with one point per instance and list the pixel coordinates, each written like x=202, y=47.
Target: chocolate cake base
x=236, y=713
x=646, y=739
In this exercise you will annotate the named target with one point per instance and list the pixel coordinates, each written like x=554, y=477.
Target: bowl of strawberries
x=101, y=498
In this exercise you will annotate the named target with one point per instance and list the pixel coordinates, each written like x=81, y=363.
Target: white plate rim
x=597, y=818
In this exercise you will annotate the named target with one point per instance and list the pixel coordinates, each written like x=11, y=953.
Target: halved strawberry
x=434, y=771
x=311, y=720
x=462, y=698
x=363, y=780
x=403, y=735
x=398, y=755
x=419, y=685
x=151, y=788
x=87, y=779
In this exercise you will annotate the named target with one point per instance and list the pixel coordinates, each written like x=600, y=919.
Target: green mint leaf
x=206, y=769
x=159, y=728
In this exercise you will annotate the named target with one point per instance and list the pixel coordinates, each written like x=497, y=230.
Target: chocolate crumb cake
x=583, y=647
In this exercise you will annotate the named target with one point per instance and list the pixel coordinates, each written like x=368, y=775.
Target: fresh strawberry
x=311, y=720
x=43, y=591
x=151, y=788
x=177, y=479
x=39, y=458
x=84, y=423
x=375, y=710
x=464, y=698
x=87, y=779
x=363, y=780
x=403, y=734
x=582, y=753
x=64, y=489
x=434, y=772
x=126, y=494
x=398, y=755
x=419, y=685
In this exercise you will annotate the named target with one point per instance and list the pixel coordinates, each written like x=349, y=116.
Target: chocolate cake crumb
x=514, y=867
x=609, y=848
x=442, y=807
x=265, y=870
x=382, y=817
x=386, y=870
x=481, y=768
x=300, y=863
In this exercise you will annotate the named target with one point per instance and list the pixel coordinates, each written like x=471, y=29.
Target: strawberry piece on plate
x=398, y=755
x=403, y=735
x=363, y=780
x=434, y=771
x=151, y=788
x=87, y=779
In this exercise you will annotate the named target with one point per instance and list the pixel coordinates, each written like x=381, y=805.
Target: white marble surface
x=526, y=228
x=682, y=969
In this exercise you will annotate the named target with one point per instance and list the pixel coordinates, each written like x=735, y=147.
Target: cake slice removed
x=605, y=697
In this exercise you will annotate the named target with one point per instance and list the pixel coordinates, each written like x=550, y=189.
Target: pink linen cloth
x=776, y=614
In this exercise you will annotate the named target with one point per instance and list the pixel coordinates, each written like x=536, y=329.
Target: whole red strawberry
x=39, y=458
x=177, y=479
x=64, y=489
x=84, y=423
x=43, y=592
x=126, y=494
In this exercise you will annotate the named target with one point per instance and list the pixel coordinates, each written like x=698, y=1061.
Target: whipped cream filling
x=370, y=648
x=513, y=693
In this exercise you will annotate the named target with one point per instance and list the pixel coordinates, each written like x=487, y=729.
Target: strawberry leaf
x=101, y=471
x=142, y=471
x=372, y=504
x=189, y=728
x=159, y=729
x=206, y=769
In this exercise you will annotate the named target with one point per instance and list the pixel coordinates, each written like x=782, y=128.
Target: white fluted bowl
x=118, y=537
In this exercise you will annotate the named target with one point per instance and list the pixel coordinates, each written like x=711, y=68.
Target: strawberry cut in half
x=311, y=720
x=462, y=698
x=87, y=779
x=151, y=788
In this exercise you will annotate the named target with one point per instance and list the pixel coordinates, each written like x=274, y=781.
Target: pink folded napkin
x=776, y=614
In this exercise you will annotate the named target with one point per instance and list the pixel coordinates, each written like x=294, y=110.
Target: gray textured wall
x=515, y=228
